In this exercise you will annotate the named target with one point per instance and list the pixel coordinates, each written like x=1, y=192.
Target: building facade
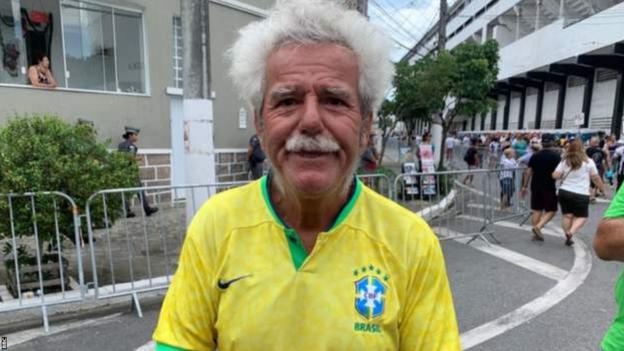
x=119, y=62
x=561, y=61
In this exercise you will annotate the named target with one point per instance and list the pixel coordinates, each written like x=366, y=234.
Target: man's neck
x=308, y=214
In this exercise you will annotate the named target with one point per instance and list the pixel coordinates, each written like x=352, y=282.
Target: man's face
x=134, y=137
x=312, y=91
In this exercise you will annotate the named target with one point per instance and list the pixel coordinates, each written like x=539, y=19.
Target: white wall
x=555, y=43
x=529, y=109
x=549, y=109
x=514, y=111
x=573, y=105
x=603, y=98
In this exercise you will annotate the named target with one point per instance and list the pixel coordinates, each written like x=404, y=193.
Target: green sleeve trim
x=616, y=209
x=165, y=347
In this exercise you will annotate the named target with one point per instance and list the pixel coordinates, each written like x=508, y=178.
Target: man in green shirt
x=609, y=245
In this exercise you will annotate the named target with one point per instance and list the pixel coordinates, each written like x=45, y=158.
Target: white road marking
x=574, y=279
x=150, y=346
x=31, y=334
x=542, y=268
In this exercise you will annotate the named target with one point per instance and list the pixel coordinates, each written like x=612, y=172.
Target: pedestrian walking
x=450, y=147
x=575, y=171
x=601, y=160
x=506, y=176
x=609, y=246
x=495, y=149
x=255, y=157
x=472, y=159
x=543, y=190
x=131, y=137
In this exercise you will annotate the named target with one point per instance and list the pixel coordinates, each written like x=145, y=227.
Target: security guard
x=131, y=136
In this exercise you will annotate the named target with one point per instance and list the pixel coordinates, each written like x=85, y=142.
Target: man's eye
x=286, y=103
x=335, y=102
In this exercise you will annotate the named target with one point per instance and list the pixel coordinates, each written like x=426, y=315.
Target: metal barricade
x=379, y=182
x=139, y=254
x=439, y=199
x=39, y=262
x=463, y=204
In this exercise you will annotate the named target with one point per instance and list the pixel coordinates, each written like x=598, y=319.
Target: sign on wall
x=242, y=118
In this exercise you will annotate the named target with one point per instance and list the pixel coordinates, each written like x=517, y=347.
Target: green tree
x=438, y=88
x=45, y=153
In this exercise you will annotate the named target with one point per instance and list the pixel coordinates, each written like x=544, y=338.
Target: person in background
x=495, y=152
x=543, y=191
x=131, y=137
x=524, y=160
x=472, y=159
x=609, y=246
x=575, y=171
x=255, y=157
x=450, y=147
x=370, y=158
x=508, y=165
x=520, y=145
x=610, y=146
x=601, y=161
x=40, y=74
x=618, y=164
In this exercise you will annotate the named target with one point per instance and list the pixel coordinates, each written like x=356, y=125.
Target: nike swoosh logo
x=224, y=284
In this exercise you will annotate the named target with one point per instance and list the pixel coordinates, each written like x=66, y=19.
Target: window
x=104, y=48
x=177, y=52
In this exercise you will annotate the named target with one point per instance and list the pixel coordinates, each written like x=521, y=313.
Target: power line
x=399, y=25
x=406, y=19
x=391, y=25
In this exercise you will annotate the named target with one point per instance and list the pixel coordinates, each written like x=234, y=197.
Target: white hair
x=309, y=22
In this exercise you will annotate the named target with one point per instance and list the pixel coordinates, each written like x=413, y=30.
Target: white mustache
x=318, y=143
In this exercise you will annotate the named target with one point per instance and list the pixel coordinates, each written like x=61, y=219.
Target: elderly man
x=609, y=245
x=308, y=258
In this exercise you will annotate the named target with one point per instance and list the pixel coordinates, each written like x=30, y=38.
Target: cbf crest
x=370, y=292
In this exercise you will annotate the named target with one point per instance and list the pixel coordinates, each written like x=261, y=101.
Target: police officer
x=131, y=136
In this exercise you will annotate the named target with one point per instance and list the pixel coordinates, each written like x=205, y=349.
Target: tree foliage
x=45, y=153
x=448, y=84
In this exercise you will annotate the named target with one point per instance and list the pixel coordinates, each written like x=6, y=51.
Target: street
x=533, y=296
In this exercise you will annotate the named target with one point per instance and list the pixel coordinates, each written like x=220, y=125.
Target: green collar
x=297, y=251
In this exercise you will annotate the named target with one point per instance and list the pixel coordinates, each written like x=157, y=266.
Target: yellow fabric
x=276, y=307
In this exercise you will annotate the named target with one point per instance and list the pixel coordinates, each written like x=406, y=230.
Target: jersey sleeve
x=428, y=321
x=187, y=318
x=616, y=209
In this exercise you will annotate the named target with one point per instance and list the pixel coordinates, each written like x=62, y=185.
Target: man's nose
x=311, y=119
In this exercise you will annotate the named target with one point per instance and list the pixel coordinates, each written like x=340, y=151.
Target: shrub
x=45, y=153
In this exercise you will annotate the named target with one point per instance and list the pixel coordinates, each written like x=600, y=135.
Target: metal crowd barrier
x=139, y=254
x=129, y=256
x=465, y=203
x=378, y=182
x=38, y=260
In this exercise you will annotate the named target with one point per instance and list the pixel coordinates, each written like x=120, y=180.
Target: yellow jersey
x=375, y=280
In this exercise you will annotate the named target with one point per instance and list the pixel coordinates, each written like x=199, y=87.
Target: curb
x=31, y=318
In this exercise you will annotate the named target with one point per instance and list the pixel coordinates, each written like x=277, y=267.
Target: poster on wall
x=425, y=153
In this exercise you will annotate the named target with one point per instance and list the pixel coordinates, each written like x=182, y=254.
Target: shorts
x=507, y=187
x=574, y=204
x=544, y=200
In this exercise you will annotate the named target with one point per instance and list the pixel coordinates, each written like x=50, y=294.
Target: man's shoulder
x=397, y=228
x=241, y=206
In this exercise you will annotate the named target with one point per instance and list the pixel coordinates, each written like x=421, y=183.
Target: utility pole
x=199, y=158
x=442, y=25
x=437, y=123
